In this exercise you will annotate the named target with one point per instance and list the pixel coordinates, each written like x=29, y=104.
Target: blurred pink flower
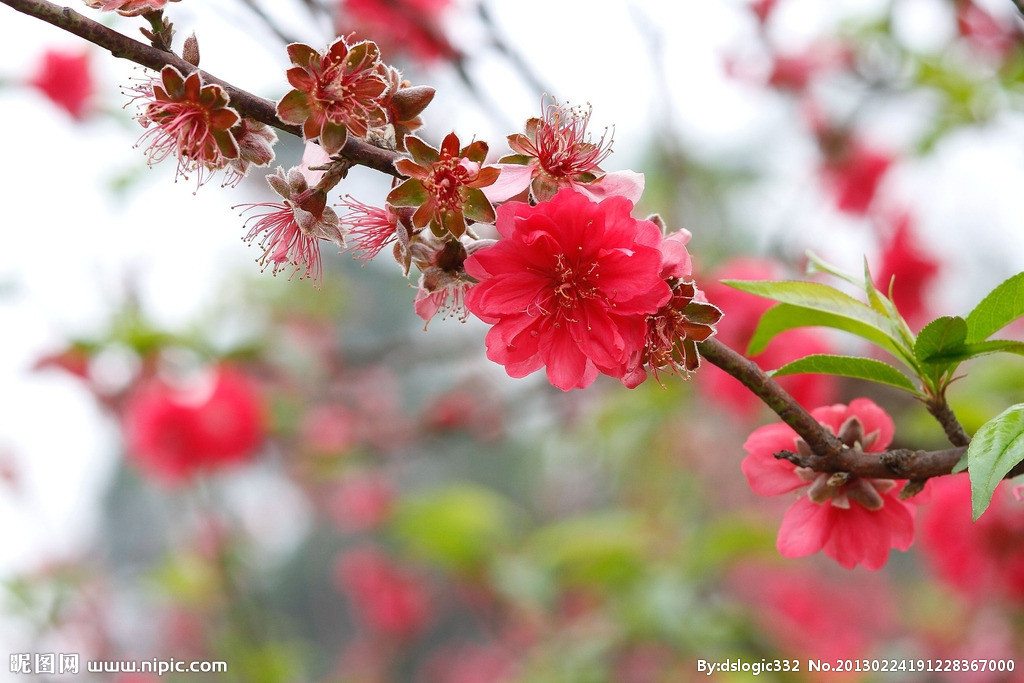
x=400, y=26
x=362, y=502
x=853, y=173
x=568, y=287
x=329, y=429
x=386, y=599
x=855, y=521
x=65, y=78
x=914, y=270
x=471, y=663
x=981, y=559
x=174, y=433
x=788, y=606
x=742, y=312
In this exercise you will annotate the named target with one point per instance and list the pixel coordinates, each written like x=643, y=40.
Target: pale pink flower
x=128, y=8
x=853, y=519
x=558, y=152
x=188, y=119
x=291, y=231
x=568, y=287
x=362, y=502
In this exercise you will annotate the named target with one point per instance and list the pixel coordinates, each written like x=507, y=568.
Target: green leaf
x=995, y=449
x=939, y=337
x=457, y=527
x=849, y=366
x=784, y=317
x=409, y=193
x=1001, y=306
x=964, y=352
x=818, y=297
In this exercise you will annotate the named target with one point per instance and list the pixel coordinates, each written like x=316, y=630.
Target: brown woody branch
x=247, y=104
x=941, y=411
x=828, y=453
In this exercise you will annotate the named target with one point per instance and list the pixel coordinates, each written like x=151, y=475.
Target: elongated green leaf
x=940, y=336
x=784, y=317
x=1001, y=306
x=817, y=297
x=849, y=366
x=983, y=348
x=995, y=449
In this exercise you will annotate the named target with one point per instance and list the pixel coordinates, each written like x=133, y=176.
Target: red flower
x=407, y=26
x=191, y=120
x=174, y=433
x=914, y=271
x=65, y=79
x=388, y=600
x=854, y=520
x=292, y=230
x=568, y=287
x=983, y=558
x=335, y=93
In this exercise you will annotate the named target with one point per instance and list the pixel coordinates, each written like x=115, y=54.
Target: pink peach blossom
x=854, y=520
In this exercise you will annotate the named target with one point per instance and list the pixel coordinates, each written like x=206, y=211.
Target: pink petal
x=514, y=178
x=628, y=184
x=805, y=528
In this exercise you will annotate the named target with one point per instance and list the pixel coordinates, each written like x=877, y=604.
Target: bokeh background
x=388, y=505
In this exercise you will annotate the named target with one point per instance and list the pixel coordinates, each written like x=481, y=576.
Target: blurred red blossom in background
x=175, y=432
x=65, y=77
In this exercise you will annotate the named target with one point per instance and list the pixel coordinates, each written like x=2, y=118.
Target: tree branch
x=941, y=411
x=247, y=104
x=822, y=442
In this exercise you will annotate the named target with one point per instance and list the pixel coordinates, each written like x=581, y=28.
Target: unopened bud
x=190, y=51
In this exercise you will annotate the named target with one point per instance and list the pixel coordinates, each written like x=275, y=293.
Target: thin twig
x=941, y=411
x=822, y=442
x=247, y=104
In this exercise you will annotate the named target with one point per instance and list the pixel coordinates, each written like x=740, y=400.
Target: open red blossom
x=983, y=558
x=64, y=78
x=174, y=433
x=291, y=231
x=335, y=93
x=853, y=519
x=191, y=120
x=568, y=287
x=128, y=8
x=557, y=151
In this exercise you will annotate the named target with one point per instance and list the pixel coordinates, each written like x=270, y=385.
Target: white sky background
x=69, y=243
